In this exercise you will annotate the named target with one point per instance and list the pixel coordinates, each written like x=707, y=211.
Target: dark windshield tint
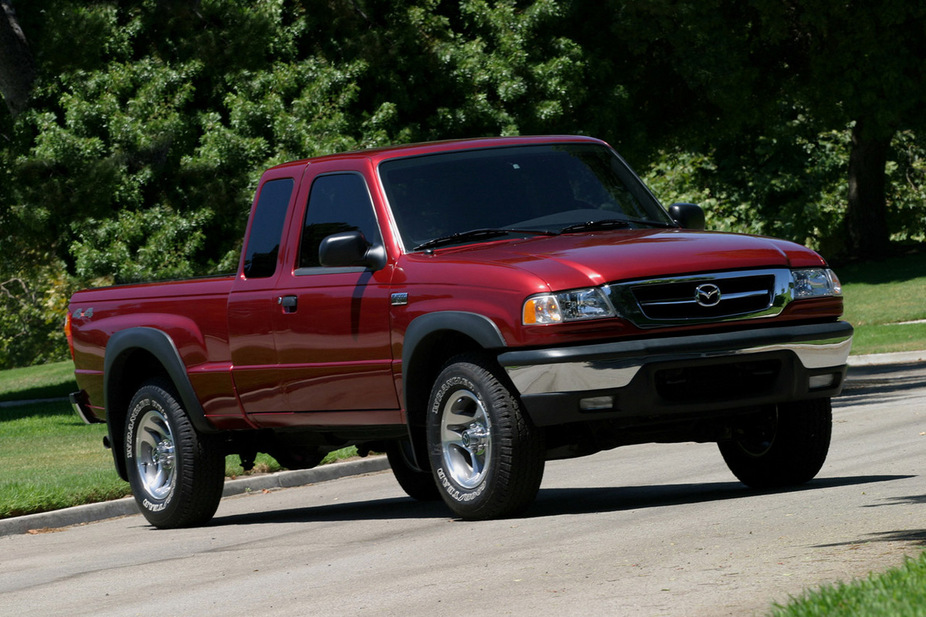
x=530, y=187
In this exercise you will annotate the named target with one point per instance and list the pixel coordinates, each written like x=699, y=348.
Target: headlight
x=815, y=283
x=576, y=305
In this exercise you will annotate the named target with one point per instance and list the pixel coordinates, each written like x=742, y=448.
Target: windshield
x=438, y=199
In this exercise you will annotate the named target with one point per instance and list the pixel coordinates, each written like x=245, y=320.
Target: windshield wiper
x=606, y=224
x=596, y=225
x=474, y=234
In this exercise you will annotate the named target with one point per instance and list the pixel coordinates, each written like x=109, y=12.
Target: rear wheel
x=787, y=448
x=487, y=457
x=176, y=474
x=417, y=483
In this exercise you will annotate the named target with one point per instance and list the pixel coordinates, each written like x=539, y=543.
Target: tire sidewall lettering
x=458, y=495
x=130, y=426
x=137, y=411
x=156, y=507
x=448, y=386
x=446, y=484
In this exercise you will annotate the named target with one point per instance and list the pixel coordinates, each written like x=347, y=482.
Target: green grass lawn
x=882, y=298
x=50, y=459
x=36, y=382
x=899, y=592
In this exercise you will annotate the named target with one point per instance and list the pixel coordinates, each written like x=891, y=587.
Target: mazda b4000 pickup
x=473, y=309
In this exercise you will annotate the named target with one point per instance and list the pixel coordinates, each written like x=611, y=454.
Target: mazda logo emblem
x=707, y=295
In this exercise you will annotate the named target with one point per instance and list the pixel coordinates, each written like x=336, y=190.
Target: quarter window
x=267, y=228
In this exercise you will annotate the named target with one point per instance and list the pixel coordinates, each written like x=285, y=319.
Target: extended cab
x=472, y=308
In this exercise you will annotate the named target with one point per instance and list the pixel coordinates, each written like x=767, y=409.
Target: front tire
x=786, y=449
x=177, y=475
x=486, y=456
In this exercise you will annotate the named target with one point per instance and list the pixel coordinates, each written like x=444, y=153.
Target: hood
x=578, y=260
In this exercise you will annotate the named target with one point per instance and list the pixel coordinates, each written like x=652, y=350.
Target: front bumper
x=680, y=375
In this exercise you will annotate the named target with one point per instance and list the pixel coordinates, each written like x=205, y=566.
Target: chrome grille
x=720, y=296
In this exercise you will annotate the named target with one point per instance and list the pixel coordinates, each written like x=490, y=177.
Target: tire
x=177, y=475
x=787, y=449
x=417, y=483
x=486, y=456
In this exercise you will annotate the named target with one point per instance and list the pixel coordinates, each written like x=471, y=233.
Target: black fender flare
x=159, y=344
x=161, y=347
x=478, y=327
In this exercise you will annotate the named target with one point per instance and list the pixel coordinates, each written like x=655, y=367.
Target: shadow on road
x=899, y=501
x=379, y=509
x=586, y=501
x=876, y=384
x=914, y=536
x=550, y=502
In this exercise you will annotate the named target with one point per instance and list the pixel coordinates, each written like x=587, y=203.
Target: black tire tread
x=797, y=454
x=417, y=484
x=521, y=447
x=200, y=466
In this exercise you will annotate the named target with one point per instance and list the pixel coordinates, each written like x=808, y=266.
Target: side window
x=260, y=259
x=337, y=203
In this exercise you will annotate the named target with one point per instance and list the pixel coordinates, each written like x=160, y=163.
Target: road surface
x=643, y=530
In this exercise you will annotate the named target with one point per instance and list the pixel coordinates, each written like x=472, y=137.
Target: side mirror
x=689, y=216
x=350, y=249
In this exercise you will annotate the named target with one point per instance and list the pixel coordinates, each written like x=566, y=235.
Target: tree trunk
x=17, y=70
x=866, y=214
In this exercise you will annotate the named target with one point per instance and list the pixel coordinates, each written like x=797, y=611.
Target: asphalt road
x=643, y=530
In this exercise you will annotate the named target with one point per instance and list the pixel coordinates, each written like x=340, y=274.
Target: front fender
x=424, y=351
x=473, y=325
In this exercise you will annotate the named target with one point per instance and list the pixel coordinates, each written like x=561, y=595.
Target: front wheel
x=486, y=456
x=787, y=448
x=176, y=474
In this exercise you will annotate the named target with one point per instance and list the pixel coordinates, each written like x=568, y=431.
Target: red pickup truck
x=474, y=309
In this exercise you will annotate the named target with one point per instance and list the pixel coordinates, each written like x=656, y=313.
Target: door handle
x=289, y=303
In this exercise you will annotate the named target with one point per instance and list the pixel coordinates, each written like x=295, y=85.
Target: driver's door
x=332, y=325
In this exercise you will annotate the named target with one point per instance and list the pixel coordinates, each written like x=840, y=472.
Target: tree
x=140, y=149
x=17, y=69
x=134, y=155
x=864, y=66
x=725, y=73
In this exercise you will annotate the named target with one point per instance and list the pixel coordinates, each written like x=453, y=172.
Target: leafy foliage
x=790, y=183
x=143, y=144
x=32, y=308
x=138, y=155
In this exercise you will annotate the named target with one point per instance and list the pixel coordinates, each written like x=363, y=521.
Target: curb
x=126, y=506
x=5, y=404
x=884, y=359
